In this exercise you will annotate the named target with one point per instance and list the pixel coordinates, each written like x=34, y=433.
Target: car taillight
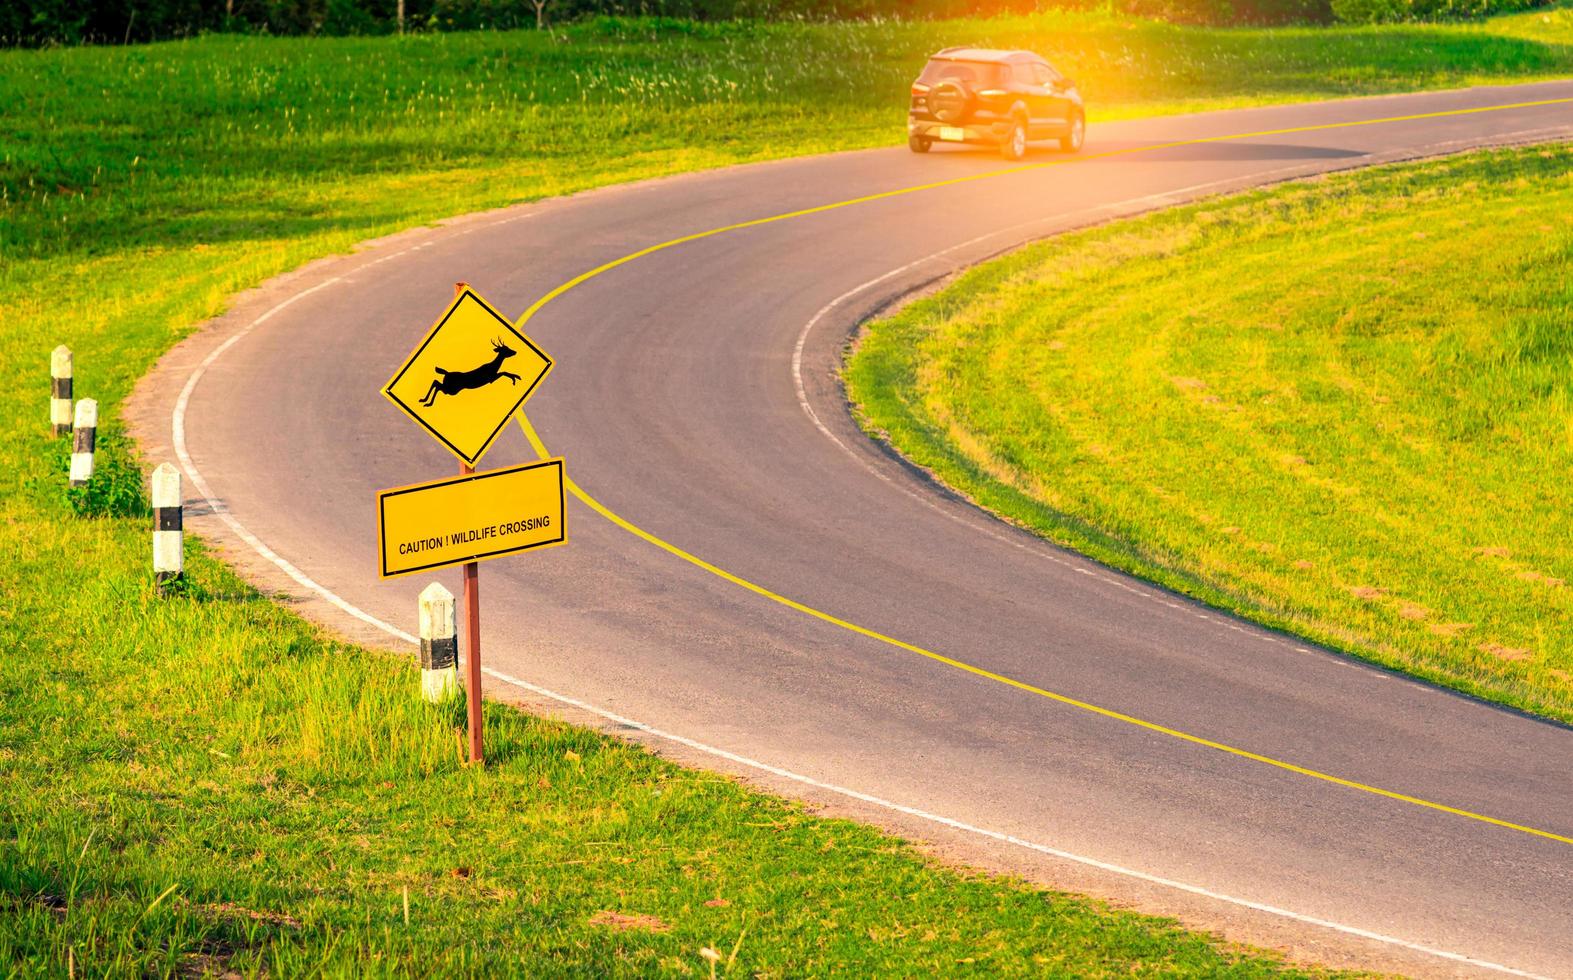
x=918, y=88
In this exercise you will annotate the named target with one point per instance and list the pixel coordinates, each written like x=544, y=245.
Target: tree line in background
x=38, y=22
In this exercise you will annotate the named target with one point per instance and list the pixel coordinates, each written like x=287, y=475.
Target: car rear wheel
x=1072, y=141
x=919, y=144
x=1015, y=145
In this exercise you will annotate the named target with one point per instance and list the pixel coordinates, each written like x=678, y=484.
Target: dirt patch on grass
x=1504, y=652
x=624, y=922
x=231, y=910
x=54, y=904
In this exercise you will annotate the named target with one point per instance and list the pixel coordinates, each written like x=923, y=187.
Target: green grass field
x=207, y=782
x=1343, y=408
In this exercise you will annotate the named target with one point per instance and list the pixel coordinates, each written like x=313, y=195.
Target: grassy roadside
x=208, y=785
x=1343, y=408
x=173, y=794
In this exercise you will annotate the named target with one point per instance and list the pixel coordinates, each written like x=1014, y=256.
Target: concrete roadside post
x=60, y=390
x=169, y=555
x=439, y=645
x=86, y=426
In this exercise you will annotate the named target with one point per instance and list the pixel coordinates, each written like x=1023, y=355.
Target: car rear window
x=971, y=72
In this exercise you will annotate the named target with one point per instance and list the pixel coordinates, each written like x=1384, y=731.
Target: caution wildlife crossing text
x=476, y=534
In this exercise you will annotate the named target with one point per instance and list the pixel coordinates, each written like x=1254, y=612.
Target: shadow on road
x=1226, y=150
x=1157, y=151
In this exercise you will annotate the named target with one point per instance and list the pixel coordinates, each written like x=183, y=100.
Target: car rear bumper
x=976, y=131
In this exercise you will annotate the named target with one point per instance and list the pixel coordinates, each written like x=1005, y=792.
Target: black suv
x=996, y=98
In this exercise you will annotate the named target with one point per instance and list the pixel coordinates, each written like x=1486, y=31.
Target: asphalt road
x=677, y=402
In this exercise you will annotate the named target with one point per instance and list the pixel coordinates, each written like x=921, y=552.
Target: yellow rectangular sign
x=471, y=518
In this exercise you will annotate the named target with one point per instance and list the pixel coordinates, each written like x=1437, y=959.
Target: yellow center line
x=619, y=521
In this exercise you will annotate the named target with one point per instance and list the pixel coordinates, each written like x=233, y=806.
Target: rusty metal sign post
x=472, y=649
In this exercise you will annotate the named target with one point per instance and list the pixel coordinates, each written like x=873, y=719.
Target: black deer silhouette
x=453, y=382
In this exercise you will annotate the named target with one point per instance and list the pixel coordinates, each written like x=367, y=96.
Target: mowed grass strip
x=206, y=783
x=1343, y=408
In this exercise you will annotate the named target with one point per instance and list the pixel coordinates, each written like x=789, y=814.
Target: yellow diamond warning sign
x=471, y=517
x=468, y=376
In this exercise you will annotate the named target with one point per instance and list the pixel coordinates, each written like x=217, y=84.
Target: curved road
x=695, y=396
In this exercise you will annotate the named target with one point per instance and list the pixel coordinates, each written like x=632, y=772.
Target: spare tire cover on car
x=950, y=101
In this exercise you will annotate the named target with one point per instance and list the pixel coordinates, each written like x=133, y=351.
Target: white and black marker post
x=169, y=554
x=86, y=425
x=60, y=390
x=439, y=644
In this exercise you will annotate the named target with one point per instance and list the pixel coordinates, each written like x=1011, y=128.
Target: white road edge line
x=182, y=453
x=1070, y=220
